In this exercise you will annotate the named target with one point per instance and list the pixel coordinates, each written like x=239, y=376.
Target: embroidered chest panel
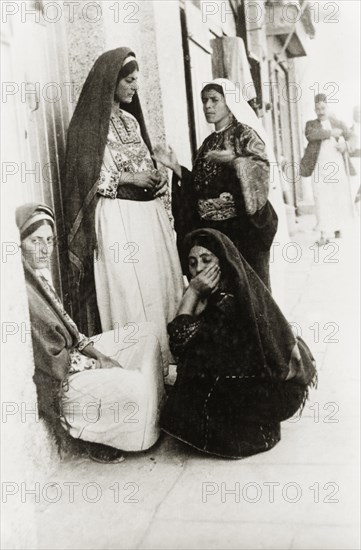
x=211, y=179
x=129, y=151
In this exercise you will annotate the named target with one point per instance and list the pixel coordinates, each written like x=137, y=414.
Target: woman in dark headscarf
x=121, y=243
x=241, y=370
x=107, y=394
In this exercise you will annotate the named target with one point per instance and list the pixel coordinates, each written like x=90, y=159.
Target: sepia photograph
x=180, y=274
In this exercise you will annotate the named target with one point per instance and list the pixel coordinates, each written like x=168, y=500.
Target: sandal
x=104, y=454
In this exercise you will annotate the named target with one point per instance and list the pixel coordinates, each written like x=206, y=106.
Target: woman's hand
x=161, y=187
x=206, y=283
x=220, y=157
x=147, y=179
x=194, y=300
x=108, y=363
x=168, y=158
x=105, y=362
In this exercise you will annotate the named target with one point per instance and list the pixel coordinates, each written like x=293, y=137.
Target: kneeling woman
x=241, y=370
x=107, y=395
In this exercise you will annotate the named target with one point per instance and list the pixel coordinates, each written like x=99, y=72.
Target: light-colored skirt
x=137, y=270
x=119, y=407
x=332, y=190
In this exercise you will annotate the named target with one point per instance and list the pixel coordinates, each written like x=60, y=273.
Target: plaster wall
x=172, y=78
x=28, y=454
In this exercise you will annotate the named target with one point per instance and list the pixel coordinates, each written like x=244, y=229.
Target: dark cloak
x=241, y=371
x=268, y=331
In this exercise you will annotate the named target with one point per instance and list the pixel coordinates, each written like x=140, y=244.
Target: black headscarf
x=87, y=136
x=270, y=335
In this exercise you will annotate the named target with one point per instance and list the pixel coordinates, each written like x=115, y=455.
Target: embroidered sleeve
x=84, y=341
x=110, y=173
x=79, y=362
x=181, y=332
x=252, y=168
x=108, y=182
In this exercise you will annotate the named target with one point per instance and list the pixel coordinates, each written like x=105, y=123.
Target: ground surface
x=303, y=494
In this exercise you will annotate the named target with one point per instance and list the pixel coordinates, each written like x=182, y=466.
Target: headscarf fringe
x=313, y=384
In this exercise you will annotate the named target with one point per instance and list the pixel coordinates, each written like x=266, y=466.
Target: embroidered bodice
x=125, y=151
x=224, y=190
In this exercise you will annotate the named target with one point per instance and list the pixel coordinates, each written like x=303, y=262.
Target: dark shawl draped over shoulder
x=274, y=346
x=53, y=338
x=86, y=141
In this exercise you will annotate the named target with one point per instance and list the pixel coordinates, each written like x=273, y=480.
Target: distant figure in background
x=355, y=153
x=326, y=160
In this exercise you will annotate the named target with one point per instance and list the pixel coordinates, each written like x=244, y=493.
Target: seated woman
x=107, y=395
x=241, y=370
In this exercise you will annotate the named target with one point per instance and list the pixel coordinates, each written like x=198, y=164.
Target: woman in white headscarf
x=229, y=185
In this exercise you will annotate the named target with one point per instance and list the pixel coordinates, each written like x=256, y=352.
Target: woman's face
x=127, y=87
x=199, y=258
x=215, y=108
x=38, y=247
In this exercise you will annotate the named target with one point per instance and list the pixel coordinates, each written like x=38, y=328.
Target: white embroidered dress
x=137, y=270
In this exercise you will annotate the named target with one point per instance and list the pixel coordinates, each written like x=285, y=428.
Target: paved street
x=303, y=494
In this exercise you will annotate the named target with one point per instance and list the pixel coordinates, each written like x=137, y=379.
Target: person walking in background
x=121, y=243
x=326, y=160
